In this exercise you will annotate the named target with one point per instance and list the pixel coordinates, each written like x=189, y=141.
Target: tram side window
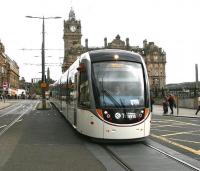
x=67, y=93
x=71, y=89
x=84, y=94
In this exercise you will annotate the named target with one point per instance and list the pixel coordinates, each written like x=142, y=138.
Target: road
x=179, y=133
x=41, y=140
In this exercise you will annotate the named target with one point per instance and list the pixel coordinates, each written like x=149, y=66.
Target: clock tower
x=72, y=40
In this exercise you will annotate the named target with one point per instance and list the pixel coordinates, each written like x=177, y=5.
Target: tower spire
x=72, y=15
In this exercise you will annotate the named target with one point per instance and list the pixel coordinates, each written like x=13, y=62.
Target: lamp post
x=196, y=85
x=43, y=84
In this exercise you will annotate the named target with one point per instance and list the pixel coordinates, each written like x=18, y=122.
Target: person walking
x=4, y=96
x=152, y=103
x=172, y=103
x=1, y=97
x=198, y=109
x=165, y=105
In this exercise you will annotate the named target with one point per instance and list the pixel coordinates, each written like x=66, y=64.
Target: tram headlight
x=116, y=57
x=105, y=112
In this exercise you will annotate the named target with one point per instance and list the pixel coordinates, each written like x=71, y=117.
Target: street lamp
x=43, y=84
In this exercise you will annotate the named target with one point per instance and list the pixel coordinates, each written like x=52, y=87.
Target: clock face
x=73, y=28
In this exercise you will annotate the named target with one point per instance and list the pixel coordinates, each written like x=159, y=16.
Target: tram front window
x=118, y=84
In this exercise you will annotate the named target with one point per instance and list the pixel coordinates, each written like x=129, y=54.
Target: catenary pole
x=43, y=83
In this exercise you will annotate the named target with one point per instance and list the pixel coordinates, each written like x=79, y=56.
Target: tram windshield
x=118, y=84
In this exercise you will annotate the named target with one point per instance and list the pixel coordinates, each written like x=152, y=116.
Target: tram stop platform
x=178, y=112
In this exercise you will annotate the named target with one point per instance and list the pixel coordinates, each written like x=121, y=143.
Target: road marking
x=34, y=108
x=186, y=123
x=171, y=125
x=159, y=130
x=9, y=112
x=159, y=121
x=19, y=120
x=176, y=144
x=3, y=126
x=174, y=121
x=13, y=122
x=180, y=133
x=176, y=139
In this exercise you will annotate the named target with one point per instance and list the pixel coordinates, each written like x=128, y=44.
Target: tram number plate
x=129, y=116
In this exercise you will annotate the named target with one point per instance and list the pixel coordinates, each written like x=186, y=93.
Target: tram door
x=72, y=98
x=75, y=99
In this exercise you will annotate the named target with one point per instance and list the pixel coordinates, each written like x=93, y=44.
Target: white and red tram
x=105, y=94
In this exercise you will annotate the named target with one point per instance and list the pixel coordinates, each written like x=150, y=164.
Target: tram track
x=184, y=163
x=11, y=111
x=18, y=113
x=116, y=158
x=127, y=161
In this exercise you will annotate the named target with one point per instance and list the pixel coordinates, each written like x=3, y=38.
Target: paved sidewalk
x=158, y=110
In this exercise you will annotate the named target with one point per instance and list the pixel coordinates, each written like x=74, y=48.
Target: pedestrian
x=4, y=96
x=152, y=103
x=172, y=103
x=198, y=108
x=165, y=105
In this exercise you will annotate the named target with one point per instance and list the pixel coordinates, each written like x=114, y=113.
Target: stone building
x=9, y=71
x=154, y=56
x=72, y=40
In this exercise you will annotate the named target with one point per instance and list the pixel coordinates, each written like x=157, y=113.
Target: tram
x=105, y=95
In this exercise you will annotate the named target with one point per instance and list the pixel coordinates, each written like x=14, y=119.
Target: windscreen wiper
x=111, y=98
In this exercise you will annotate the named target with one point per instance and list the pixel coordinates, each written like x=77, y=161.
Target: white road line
x=11, y=111
x=19, y=120
x=13, y=122
x=3, y=126
x=180, y=133
x=185, y=141
x=161, y=130
x=34, y=108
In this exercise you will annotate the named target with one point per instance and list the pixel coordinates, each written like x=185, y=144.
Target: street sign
x=43, y=85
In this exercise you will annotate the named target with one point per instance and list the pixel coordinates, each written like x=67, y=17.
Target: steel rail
x=14, y=121
x=174, y=158
x=10, y=111
x=117, y=159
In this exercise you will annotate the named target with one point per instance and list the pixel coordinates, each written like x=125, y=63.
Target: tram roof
x=109, y=54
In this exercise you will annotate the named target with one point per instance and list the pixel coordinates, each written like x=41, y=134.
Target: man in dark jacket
x=172, y=103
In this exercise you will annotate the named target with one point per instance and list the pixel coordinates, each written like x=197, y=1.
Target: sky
x=173, y=25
